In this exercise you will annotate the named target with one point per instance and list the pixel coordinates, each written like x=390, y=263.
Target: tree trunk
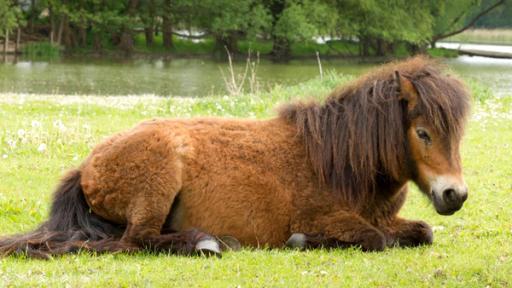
x=281, y=49
x=82, y=34
x=167, y=25
x=280, y=46
x=379, y=47
x=18, y=38
x=364, y=46
x=149, y=29
x=149, y=35
x=6, y=41
x=52, y=24
x=126, y=39
x=97, y=42
x=33, y=15
x=62, y=23
x=229, y=42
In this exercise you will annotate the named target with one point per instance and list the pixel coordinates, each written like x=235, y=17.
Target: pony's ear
x=406, y=89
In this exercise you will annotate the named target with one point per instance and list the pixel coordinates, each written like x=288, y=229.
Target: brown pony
x=330, y=174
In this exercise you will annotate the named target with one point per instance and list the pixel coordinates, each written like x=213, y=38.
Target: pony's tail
x=71, y=227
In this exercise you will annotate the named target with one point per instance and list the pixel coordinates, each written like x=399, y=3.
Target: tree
x=295, y=21
x=167, y=9
x=10, y=18
x=454, y=17
x=126, y=39
x=499, y=17
x=381, y=25
x=228, y=21
x=148, y=13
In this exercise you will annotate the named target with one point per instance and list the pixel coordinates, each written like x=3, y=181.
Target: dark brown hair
x=358, y=135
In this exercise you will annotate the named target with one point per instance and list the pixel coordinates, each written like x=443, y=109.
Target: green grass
x=302, y=49
x=442, y=53
x=484, y=36
x=473, y=248
x=42, y=50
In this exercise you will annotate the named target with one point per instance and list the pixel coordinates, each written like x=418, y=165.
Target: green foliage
x=451, y=15
x=381, y=27
x=41, y=50
x=500, y=17
x=441, y=52
x=392, y=20
x=293, y=24
x=10, y=16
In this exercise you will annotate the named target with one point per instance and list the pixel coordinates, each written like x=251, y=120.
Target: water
x=199, y=77
x=478, y=47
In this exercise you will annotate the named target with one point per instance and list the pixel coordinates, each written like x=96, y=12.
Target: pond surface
x=199, y=77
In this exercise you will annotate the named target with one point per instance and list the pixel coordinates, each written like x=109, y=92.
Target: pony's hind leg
x=145, y=220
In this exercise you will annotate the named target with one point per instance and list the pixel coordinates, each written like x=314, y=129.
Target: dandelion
x=36, y=124
x=42, y=147
x=21, y=133
x=12, y=143
x=59, y=125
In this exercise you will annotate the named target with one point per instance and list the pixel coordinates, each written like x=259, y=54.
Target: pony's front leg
x=339, y=229
x=407, y=233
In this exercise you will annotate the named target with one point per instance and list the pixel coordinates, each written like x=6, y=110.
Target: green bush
x=41, y=50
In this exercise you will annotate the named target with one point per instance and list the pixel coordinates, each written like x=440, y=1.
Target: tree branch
x=470, y=24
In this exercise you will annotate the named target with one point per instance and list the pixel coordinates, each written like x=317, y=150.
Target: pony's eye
x=423, y=135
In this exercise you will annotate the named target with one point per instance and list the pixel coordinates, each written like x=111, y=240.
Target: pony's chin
x=446, y=212
x=441, y=208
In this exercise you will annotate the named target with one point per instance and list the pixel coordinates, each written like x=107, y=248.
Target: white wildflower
x=42, y=147
x=36, y=124
x=438, y=228
x=59, y=125
x=21, y=133
x=4, y=156
x=12, y=143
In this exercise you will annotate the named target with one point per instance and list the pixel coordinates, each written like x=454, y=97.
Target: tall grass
x=45, y=50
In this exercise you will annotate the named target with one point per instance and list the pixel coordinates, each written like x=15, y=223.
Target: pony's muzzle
x=449, y=200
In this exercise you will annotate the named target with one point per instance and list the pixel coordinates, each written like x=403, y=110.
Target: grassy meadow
x=484, y=36
x=43, y=135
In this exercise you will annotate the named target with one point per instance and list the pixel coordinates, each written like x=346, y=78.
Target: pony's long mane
x=357, y=137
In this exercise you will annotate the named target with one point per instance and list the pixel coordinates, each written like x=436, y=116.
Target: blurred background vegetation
x=278, y=29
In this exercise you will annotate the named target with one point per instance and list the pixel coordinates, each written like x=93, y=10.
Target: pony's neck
x=342, y=137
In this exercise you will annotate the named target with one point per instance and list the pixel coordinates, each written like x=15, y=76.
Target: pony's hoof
x=296, y=241
x=229, y=243
x=208, y=247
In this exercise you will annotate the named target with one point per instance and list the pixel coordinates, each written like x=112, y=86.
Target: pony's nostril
x=450, y=196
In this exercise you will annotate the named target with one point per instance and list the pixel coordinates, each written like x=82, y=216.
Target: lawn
x=484, y=36
x=42, y=136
